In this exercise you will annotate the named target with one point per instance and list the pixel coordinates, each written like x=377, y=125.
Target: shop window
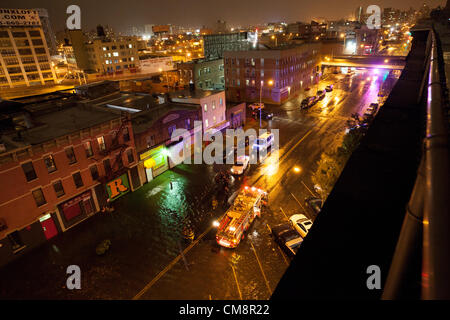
x=71, y=155
x=59, y=190
x=50, y=163
x=28, y=170
x=171, y=129
x=39, y=197
x=15, y=240
x=77, y=180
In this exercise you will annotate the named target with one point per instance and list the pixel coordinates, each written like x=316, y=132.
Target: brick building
x=60, y=167
x=283, y=70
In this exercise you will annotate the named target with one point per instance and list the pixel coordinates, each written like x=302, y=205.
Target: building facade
x=216, y=44
x=48, y=31
x=69, y=161
x=282, y=72
x=105, y=56
x=205, y=74
x=24, y=55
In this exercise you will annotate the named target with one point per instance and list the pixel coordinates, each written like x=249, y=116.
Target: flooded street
x=150, y=258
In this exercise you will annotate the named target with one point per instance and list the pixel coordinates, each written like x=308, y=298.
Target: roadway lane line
x=237, y=283
x=169, y=266
x=284, y=213
x=314, y=195
x=305, y=212
x=282, y=254
x=262, y=271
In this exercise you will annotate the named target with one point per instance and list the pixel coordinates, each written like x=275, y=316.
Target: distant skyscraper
x=359, y=14
x=48, y=31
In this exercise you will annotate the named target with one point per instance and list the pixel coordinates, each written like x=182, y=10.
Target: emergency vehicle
x=246, y=207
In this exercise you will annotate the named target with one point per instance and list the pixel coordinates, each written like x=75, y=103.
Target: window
x=58, y=187
x=126, y=135
x=28, y=170
x=262, y=62
x=130, y=46
x=50, y=163
x=130, y=156
x=101, y=143
x=205, y=107
x=213, y=104
x=77, y=180
x=39, y=197
x=206, y=123
x=214, y=119
x=71, y=155
x=115, y=54
x=94, y=172
x=187, y=123
x=88, y=149
x=107, y=165
x=171, y=129
x=14, y=239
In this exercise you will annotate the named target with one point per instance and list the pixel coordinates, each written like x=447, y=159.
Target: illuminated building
x=24, y=55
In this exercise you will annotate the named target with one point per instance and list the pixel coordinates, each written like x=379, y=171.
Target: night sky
x=121, y=14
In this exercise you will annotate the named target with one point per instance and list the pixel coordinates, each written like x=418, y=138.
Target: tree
x=331, y=163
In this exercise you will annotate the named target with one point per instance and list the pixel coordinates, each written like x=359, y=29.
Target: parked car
x=308, y=102
x=329, y=88
x=287, y=238
x=264, y=114
x=240, y=166
x=315, y=204
x=321, y=94
x=301, y=223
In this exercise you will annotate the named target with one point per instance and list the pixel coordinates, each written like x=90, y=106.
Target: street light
x=270, y=82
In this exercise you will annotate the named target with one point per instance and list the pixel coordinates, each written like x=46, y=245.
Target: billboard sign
x=155, y=65
x=19, y=17
x=161, y=29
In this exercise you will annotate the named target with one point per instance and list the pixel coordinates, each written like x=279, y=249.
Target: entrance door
x=49, y=227
x=149, y=174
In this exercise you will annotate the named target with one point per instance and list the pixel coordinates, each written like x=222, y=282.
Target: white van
x=264, y=141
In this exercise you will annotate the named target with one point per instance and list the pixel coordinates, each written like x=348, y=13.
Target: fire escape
x=117, y=166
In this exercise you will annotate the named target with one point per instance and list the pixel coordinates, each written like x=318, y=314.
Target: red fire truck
x=246, y=207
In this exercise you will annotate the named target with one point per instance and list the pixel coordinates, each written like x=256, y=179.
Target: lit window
x=130, y=46
x=205, y=107
x=221, y=100
x=115, y=54
x=104, y=48
x=213, y=105
x=101, y=143
x=50, y=163
x=206, y=123
x=132, y=58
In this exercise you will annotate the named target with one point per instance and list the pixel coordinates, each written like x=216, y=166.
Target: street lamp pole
x=260, y=98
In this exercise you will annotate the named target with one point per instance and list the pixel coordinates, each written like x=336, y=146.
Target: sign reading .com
x=216, y=147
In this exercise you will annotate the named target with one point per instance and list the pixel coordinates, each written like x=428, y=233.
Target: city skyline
x=196, y=13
